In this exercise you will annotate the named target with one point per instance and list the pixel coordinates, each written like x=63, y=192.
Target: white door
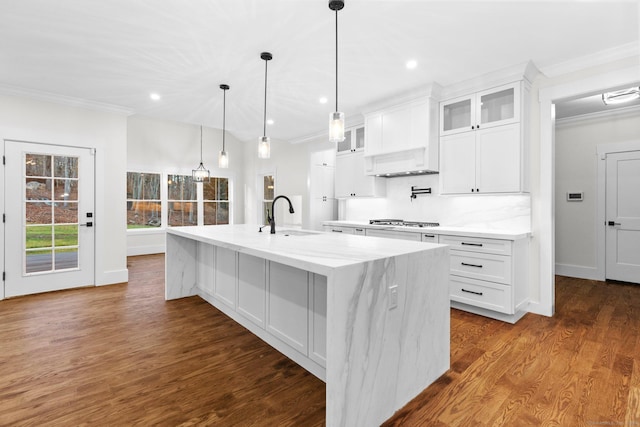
x=623, y=217
x=49, y=223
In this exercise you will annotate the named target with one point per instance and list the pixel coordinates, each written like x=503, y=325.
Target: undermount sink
x=295, y=232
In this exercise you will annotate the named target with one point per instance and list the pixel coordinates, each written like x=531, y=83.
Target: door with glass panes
x=49, y=222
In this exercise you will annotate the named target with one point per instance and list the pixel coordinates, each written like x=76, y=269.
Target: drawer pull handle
x=471, y=265
x=471, y=292
x=358, y=229
x=337, y=231
x=471, y=244
x=430, y=235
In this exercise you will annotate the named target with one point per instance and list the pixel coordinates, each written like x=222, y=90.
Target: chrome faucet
x=272, y=219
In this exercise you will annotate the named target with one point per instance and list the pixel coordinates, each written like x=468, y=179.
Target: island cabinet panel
x=252, y=288
x=287, y=305
x=205, y=272
x=318, y=319
x=225, y=276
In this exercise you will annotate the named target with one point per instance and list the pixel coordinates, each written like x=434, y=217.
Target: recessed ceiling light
x=154, y=96
x=270, y=122
x=323, y=100
x=411, y=64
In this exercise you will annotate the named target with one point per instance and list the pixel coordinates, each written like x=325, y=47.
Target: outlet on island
x=393, y=297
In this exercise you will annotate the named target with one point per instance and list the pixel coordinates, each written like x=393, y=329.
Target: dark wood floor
x=121, y=355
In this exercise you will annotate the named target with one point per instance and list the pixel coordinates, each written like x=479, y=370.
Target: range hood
x=402, y=139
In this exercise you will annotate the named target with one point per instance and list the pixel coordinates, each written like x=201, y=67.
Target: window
x=182, y=200
x=143, y=200
x=268, y=183
x=216, y=201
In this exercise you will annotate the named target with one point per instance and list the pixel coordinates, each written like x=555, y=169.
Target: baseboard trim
x=577, y=271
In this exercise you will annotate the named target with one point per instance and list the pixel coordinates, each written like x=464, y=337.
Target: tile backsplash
x=497, y=211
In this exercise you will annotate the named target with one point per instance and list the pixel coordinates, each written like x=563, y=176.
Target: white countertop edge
x=442, y=229
x=320, y=253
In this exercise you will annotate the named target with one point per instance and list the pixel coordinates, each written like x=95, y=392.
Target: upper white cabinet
x=350, y=178
x=402, y=138
x=351, y=181
x=484, y=140
x=492, y=107
x=353, y=141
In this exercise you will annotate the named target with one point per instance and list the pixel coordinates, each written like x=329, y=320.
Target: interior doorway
x=49, y=217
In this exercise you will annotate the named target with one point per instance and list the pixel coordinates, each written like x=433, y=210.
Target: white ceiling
x=117, y=52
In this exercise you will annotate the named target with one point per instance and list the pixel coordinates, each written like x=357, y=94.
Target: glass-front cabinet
x=353, y=140
x=492, y=107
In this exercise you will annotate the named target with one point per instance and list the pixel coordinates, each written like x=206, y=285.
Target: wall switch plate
x=393, y=297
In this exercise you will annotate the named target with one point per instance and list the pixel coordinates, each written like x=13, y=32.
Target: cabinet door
x=322, y=210
x=393, y=234
x=498, y=159
x=458, y=163
x=345, y=146
x=225, y=276
x=339, y=229
x=287, y=305
x=318, y=319
x=457, y=115
x=322, y=182
x=252, y=288
x=343, y=177
x=498, y=106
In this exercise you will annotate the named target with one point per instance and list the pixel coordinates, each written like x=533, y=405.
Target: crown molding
x=69, y=101
x=600, y=115
x=603, y=57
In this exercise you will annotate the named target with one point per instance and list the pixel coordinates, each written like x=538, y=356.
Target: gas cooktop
x=400, y=222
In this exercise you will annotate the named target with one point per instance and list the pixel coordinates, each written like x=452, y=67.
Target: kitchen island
x=369, y=316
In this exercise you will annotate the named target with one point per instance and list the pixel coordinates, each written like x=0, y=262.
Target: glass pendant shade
x=223, y=160
x=264, y=147
x=200, y=174
x=336, y=127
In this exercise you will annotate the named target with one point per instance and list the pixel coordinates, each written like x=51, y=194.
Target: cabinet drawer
x=477, y=244
x=491, y=296
x=496, y=268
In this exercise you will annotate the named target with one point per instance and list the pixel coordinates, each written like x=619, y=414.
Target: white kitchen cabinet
x=252, y=288
x=393, y=234
x=429, y=237
x=402, y=138
x=484, y=161
x=318, y=319
x=322, y=201
x=484, y=141
x=225, y=276
x=287, y=305
x=496, y=106
x=488, y=276
x=354, y=140
x=351, y=181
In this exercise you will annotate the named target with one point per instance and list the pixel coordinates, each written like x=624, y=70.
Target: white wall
x=26, y=119
x=576, y=171
x=165, y=146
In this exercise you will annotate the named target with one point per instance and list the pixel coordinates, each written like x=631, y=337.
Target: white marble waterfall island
x=369, y=316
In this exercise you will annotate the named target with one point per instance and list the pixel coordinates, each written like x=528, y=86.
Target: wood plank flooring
x=121, y=355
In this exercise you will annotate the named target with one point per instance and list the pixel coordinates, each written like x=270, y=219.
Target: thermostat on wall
x=575, y=197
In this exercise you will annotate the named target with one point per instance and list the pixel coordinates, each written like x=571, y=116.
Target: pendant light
x=336, y=119
x=264, y=142
x=200, y=173
x=223, y=158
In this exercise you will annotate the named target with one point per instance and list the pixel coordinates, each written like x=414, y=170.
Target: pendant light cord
x=224, y=114
x=201, y=144
x=264, y=129
x=336, y=60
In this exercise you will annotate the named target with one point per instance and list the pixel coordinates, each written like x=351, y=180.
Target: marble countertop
x=318, y=252
x=483, y=232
